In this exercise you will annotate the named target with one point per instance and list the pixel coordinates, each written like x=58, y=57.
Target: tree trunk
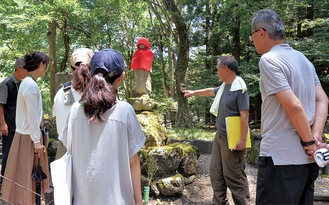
x=182, y=61
x=162, y=61
x=310, y=18
x=208, y=28
x=52, y=56
x=66, y=40
x=171, y=63
x=236, y=40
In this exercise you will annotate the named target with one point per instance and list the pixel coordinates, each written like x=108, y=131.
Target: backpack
x=68, y=95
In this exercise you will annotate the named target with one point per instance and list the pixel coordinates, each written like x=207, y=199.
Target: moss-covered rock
x=189, y=163
x=50, y=123
x=171, y=186
x=155, y=133
x=164, y=161
x=167, y=159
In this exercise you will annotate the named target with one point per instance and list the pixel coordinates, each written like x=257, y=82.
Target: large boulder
x=160, y=161
x=164, y=161
x=189, y=163
x=166, y=158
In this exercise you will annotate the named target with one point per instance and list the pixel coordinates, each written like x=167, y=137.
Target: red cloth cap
x=142, y=58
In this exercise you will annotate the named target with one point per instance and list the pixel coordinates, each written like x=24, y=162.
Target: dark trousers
x=227, y=171
x=285, y=184
x=6, y=143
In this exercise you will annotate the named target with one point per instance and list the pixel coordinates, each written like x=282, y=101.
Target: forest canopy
x=187, y=37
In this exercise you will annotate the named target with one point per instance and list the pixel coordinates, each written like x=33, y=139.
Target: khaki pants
x=227, y=171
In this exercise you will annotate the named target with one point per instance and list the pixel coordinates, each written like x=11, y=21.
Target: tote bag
x=61, y=174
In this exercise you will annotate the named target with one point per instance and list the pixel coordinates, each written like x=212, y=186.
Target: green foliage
x=190, y=134
x=151, y=167
x=166, y=104
x=6, y=66
x=252, y=154
x=249, y=72
x=44, y=89
x=215, y=28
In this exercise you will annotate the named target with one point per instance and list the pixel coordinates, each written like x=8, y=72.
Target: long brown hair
x=99, y=96
x=81, y=78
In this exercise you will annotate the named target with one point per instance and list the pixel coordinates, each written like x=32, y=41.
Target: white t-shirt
x=62, y=111
x=101, y=152
x=29, y=109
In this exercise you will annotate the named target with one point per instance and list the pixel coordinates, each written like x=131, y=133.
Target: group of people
x=102, y=129
x=294, y=113
x=106, y=135
x=21, y=130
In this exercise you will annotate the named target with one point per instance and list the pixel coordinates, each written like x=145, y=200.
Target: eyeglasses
x=250, y=36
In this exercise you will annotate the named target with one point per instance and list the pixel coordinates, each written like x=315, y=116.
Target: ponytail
x=98, y=97
x=81, y=78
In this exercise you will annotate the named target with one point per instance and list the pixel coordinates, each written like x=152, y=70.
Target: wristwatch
x=305, y=144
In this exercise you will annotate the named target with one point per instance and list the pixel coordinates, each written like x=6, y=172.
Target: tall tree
x=182, y=58
x=52, y=56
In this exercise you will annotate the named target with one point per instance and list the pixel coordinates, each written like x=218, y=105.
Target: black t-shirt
x=10, y=105
x=231, y=103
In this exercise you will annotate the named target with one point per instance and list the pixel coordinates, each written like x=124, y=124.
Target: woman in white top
x=106, y=137
x=27, y=147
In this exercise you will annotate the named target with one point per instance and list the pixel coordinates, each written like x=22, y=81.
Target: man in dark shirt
x=227, y=167
x=8, y=98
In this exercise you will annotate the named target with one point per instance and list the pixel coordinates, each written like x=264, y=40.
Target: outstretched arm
x=201, y=92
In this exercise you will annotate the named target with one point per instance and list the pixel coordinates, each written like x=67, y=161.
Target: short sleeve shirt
x=231, y=103
x=101, y=152
x=284, y=68
x=8, y=98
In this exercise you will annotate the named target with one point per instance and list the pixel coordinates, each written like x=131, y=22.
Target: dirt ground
x=200, y=191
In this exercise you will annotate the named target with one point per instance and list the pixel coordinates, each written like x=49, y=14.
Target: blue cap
x=109, y=62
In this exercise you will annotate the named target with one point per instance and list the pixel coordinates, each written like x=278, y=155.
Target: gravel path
x=200, y=192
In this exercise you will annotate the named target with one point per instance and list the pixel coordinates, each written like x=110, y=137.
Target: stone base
x=141, y=103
